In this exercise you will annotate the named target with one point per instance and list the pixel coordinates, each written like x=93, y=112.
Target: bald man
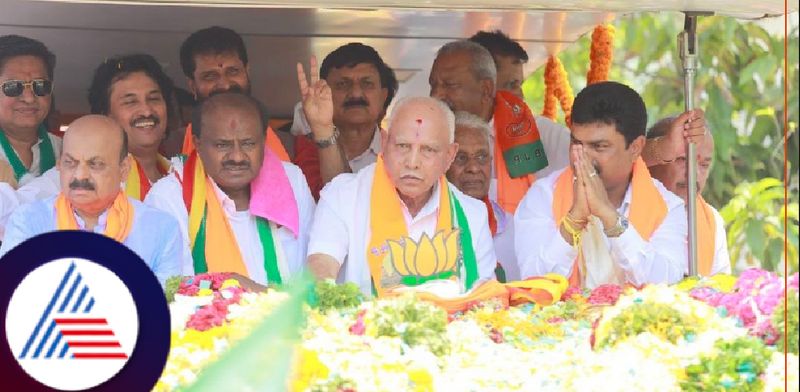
x=713, y=256
x=399, y=223
x=93, y=162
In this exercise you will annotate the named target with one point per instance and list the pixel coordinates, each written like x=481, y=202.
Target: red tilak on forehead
x=219, y=65
x=419, y=126
x=234, y=123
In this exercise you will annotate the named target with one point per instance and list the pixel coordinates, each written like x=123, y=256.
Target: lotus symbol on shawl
x=428, y=258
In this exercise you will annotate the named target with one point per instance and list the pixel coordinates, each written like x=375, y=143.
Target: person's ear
x=125, y=167
x=192, y=87
x=452, y=150
x=636, y=147
x=488, y=90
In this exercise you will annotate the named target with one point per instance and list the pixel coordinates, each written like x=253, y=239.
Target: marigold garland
x=557, y=88
x=601, y=54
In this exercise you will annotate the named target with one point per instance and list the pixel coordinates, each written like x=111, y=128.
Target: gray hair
x=482, y=64
x=443, y=108
x=471, y=121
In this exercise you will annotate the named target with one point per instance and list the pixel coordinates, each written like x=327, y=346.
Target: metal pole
x=687, y=43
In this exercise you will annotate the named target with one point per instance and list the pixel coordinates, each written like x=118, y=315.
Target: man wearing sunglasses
x=26, y=84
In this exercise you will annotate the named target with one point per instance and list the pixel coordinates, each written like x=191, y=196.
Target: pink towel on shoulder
x=272, y=196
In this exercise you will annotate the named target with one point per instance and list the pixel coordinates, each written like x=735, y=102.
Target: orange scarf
x=137, y=185
x=118, y=222
x=647, y=209
x=517, y=142
x=272, y=140
x=389, y=234
x=199, y=196
x=706, y=236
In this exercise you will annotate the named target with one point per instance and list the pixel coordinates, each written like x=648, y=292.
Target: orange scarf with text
x=118, y=221
x=647, y=209
x=518, y=149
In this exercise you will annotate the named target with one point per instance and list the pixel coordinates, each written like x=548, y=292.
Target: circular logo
x=73, y=307
x=71, y=324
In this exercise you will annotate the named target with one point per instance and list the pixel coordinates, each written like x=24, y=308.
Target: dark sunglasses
x=40, y=87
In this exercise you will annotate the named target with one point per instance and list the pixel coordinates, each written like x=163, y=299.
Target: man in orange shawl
x=603, y=219
x=93, y=163
x=713, y=257
x=525, y=147
x=398, y=223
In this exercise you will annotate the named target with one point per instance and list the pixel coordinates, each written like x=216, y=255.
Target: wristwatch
x=618, y=228
x=329, y=141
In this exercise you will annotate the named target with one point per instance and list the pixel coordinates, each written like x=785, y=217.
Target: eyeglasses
x=481, y=158
x=40, y=87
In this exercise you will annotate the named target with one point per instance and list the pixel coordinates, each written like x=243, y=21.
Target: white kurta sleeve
x=662, y=259
x=329, y=231
x=538, y=244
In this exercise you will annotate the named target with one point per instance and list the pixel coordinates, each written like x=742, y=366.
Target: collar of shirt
x=370, y=154
x=99, y=228
x=228, y=205
x=431, y=207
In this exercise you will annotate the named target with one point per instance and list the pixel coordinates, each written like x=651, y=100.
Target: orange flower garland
x=557, y=87
x=601, y=54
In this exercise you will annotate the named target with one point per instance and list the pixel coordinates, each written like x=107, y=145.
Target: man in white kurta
x=604, y=219
x=417, y=149
x=232, y=123
x=713, y=256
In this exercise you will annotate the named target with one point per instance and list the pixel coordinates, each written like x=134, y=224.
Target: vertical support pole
x=687, y=43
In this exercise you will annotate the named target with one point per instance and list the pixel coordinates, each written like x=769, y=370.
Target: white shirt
x=542, y=249
x=370, y=155
x=722, y=259
x=36, y=188
x=35, y=170
x=504, y=242
x=341, y=226
x=556, y=140
x=167, y=195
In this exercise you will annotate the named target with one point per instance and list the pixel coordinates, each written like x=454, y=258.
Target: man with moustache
x=92, y=164
x=471, y=172
x=132, y=90
x=342, y=108
x=712, y=245
x=26, y=78
x=603, y=219
x=399, y=223
x=214, y=61
x=239, y=208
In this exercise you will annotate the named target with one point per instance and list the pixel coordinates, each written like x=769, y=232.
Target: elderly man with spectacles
x=471, y=173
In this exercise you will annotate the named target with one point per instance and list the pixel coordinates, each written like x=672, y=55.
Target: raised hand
x=580, y=207
x=596, y=194
x=690, y=125
x=317, y=100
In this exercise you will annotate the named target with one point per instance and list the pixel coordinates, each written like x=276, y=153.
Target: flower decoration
x=601, y=54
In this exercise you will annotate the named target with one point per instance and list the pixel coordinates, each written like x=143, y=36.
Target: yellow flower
x=427, y=257
x=421, y=380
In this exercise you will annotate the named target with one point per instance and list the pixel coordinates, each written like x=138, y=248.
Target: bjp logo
x=416, y=262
